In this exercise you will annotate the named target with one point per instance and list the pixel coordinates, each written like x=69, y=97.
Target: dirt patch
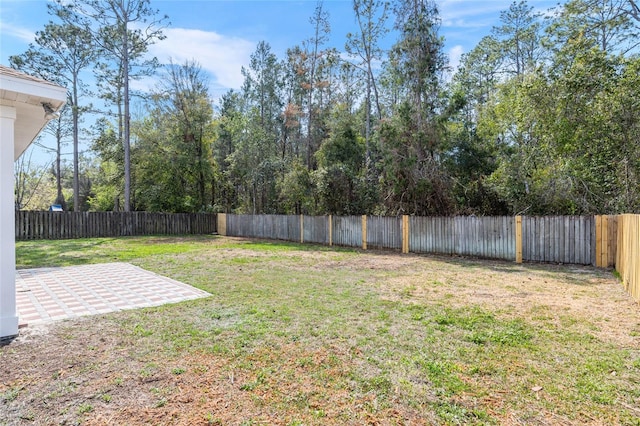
x=537, y=292
x=214, y=390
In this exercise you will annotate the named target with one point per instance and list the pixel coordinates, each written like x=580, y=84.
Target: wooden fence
x=32, y=225
x=628, y=253
x=559, y=239
x=585, y=240
x=490, y=237
x=602, y=241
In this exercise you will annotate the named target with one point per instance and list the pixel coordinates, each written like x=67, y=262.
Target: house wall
x=8, y=312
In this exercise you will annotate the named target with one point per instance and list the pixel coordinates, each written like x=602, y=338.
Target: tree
x=262, y=94
x=413, y=178
x=108, y=147
x=470, y=157
x=190, y=105
x=262, y=88
x=123, y=30
x=371, y=16
x=419, y=57
x=340, y=162
x=174, y=148
x=107, y=181
x=67, y=48
x=519, y=36
x=595, y=130
x=529, y=175
x=309, y=66
x=478, y=76
x=29, y=179
x=605, y=24
x=296, y=190
x=294, y=99
x=60, y=128
x=229, y=126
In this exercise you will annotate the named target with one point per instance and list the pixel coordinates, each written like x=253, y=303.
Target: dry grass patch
x=582, y=297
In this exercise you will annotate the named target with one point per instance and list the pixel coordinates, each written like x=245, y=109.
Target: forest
x=541, y=117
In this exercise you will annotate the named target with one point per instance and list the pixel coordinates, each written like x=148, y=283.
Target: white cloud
x=460, y=9
x=222, y=56
x=20, y=33
x=455, y=53
x=476, y=14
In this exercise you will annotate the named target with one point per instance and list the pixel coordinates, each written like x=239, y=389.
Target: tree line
x=541, y=117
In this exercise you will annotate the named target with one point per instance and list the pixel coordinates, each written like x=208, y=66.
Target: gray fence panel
x=347, y=231
x=490, y=237
x=64, y=225
x=280, y=227
x=293, y=224
x=239, y=225
x=265, y=226
x=384, y=232
x=559, y=239
x=256, y=226
x=432, y=235
x=316, y=229
x=419, y=234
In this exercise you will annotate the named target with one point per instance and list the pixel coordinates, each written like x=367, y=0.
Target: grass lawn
x=313, y=335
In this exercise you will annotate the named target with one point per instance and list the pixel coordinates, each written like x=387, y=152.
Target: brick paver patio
x=50, y=294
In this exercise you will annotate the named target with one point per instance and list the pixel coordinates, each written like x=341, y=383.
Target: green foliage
x=563, y=150
x=413, y=177
x=108, y=181
x=295, y=190
x=541, y=116
x=340, y=164
x=519, y=38
x=173, y=155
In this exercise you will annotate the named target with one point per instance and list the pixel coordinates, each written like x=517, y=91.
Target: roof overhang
x=27, y=95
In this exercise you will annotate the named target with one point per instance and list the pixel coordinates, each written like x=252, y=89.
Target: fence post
x=301, y=229
x=405, y=233
x=330, y=230
x=364, y=232
x=222, y=224
x=605, y=242
x=598, y=221
x=620, y=244
x=518, y=239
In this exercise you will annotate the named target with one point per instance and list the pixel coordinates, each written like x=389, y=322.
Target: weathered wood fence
x=602, y=241
x=31, y=225
x=585, y=240
x=628, y=253
x=588, y=240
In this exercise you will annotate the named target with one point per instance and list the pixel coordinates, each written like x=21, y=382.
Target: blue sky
x=222, y=34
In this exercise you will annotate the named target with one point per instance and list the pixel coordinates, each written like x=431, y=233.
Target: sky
x=221, y=34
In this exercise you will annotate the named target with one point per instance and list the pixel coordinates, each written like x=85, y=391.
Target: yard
x=310, y=335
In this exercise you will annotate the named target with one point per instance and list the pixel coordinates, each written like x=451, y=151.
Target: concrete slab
x=52, y=294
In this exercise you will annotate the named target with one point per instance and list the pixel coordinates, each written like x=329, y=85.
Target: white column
x=8, y=310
